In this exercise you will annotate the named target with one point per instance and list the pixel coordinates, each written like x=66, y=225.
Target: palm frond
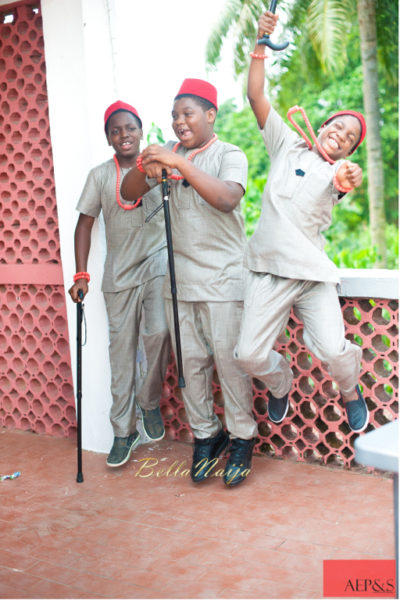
x=328, y=24
x=240, y=18
x=227, y=18
x=245, y=34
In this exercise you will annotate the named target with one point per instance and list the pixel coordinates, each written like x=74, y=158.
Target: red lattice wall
x=35, y=373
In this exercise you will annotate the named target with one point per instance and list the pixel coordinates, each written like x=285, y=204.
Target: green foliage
x=352, y=248
x=155, y=135
x=239, y=18
x=240, y=128
x=328, y=25
x=251, y=204
x=387, y=19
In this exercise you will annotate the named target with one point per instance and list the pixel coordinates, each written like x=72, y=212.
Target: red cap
x=119, y=105
x=201, y=88
x=358, y=116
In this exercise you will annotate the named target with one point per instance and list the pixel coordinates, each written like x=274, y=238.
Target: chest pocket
x=124, y=220
x=315, y=191
x=182, y=196
x=137, y=217
x=291, y=181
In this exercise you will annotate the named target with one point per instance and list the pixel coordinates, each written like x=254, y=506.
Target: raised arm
x=256, y=78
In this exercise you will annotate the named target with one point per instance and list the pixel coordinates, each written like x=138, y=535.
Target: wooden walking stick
x=79, y=317
x=165, y=197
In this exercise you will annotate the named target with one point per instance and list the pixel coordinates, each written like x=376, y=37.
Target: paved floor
x=145, y=531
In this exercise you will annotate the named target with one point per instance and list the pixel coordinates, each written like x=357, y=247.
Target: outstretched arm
x=256, y=78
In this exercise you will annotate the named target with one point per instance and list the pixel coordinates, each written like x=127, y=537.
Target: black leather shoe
x=238, y=465
x=205, y=455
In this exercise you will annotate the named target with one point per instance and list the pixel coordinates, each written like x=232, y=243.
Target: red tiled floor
x=140, y=532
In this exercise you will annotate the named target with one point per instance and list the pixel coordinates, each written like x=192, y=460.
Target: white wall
x=371, y=283
x=80, y=86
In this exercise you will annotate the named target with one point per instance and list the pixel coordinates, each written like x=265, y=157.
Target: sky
x=157, y=45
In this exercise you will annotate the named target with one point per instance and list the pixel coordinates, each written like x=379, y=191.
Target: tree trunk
x=376, y=189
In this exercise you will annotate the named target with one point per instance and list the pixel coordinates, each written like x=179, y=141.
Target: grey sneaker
x=277, y=407
x=357, y=412
x=122, y=448
x=153, y=424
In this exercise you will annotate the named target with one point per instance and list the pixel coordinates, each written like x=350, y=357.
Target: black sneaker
x=153, y=425
x=277, y=408
x=357, y=412
x=205, y=455
x=238, y=465
x=122, y=448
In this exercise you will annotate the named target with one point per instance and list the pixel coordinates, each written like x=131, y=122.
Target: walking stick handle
x=266, y=40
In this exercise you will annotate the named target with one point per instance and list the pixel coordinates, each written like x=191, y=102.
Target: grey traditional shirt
x=296, y=209
x=208, y=243
x=136, y=251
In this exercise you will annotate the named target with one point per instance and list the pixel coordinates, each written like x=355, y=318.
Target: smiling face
x=340, y=135
x=124, y=135
x=192, y=125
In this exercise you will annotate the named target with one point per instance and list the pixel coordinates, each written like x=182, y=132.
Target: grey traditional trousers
x=268, y=302
x=125, y=310
x=209, y=333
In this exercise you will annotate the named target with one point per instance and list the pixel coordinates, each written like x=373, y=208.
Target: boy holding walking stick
x=132, y=283
x=288, y=267
x=208, y=179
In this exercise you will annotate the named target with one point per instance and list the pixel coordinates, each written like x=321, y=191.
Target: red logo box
x=359, y=578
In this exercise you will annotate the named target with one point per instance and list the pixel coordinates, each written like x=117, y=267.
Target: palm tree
x=326, y=24
x=376, y=187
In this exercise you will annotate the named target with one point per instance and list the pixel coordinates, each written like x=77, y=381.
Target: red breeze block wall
x=35, y=371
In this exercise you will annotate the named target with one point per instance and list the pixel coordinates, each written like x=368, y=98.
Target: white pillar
x=80, y=84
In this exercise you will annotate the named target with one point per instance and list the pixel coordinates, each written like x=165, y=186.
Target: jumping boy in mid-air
x=132, y=283
x=208, y=240
x=288, y=267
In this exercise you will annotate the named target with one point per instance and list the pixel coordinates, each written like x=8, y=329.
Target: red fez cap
x=201, y=88
x=119, y=105
x=358, y=116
